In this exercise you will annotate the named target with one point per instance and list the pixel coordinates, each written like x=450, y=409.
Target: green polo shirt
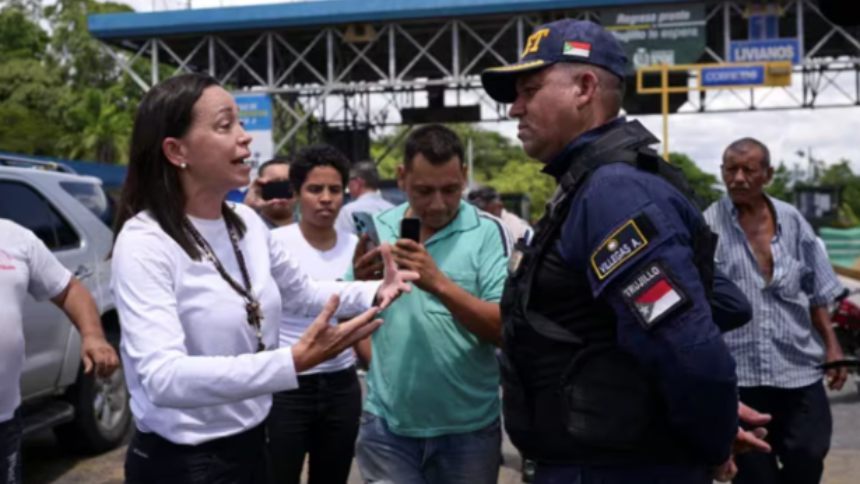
x=429, y=375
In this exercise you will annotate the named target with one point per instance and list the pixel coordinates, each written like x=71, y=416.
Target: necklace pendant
x=255, y=314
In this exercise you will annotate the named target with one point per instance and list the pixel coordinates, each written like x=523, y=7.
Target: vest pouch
x=516, y=290
x=516, y=412
x=610, y=401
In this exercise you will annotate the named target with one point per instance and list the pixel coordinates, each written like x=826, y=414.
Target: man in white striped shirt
x=771, y=253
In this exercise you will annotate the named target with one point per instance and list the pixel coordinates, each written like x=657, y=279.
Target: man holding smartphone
x=432, y=408
x=271, y=195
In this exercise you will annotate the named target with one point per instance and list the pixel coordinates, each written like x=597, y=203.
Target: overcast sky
x=832, y=134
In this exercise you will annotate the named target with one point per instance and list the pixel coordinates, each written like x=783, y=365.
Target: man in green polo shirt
x=432, y=408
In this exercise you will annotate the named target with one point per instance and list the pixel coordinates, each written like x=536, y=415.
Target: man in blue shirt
x=613, y=369
x=770, y=251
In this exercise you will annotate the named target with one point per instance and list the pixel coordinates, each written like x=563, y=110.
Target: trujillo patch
x=621, y=245
x=652, y=295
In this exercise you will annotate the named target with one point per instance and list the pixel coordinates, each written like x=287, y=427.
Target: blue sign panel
x=769, y=50
x=255, y=110
x=764, y=26
x=732, y=76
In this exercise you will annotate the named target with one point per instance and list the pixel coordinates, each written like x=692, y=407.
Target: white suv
x=71, y=214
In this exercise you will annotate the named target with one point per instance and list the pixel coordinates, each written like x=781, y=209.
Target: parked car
x=71, y=214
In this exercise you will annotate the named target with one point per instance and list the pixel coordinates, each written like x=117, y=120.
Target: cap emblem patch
x=533, y=42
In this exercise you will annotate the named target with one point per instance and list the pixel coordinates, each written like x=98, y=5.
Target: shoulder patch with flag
x=652, y=295
x=577, y=49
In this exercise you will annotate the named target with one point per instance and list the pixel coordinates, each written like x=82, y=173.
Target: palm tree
x=105, y=127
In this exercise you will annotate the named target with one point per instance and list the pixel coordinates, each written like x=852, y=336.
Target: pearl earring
x=183, y=165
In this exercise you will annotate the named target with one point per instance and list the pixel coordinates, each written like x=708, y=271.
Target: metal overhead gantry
x=360, y=64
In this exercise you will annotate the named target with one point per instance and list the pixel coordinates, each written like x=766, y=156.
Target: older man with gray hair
x=771, y=253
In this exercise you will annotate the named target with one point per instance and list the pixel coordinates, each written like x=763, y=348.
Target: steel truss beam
x=332, y=78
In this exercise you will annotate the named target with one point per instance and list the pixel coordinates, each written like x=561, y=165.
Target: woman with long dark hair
x=199, y=287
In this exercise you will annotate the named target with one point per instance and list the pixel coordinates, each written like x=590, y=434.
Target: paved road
x=45, y=462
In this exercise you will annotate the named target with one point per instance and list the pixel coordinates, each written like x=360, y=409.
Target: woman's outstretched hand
x=323, y=340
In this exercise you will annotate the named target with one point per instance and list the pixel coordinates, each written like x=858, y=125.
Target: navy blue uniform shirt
x=632, y=233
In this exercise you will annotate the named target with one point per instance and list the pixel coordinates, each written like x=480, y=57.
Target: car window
x=91, y=196
x=26, y=207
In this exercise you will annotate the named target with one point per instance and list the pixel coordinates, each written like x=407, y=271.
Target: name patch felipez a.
x=652, y=295
x=620, y=246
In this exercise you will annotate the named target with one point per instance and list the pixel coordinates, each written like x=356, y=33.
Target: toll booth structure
x=366, y=64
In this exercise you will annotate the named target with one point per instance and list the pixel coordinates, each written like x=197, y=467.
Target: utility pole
x=813, y=163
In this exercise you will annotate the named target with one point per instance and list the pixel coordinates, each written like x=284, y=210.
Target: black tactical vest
x=571, y=395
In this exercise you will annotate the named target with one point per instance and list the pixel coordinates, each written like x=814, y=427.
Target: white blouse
x=187, y=349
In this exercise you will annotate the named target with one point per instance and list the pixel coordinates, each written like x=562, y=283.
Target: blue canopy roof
x=320, y=12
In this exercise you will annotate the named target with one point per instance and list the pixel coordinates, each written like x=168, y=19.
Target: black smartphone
x=276, y=189
x=410, y=228
x=364, y=225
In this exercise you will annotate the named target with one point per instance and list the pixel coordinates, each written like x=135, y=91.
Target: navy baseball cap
x=567, y=40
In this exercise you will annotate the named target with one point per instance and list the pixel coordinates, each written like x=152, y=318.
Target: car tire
x=102, y=413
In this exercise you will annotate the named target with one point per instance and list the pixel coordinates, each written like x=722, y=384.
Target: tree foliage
x=839, y=174
x=20, y=38
x=81, y=57
x=61, y=93
x=781, y=185
x=703, y=184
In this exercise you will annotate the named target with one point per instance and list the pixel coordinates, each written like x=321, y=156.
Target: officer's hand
x=367, y=263
x=751, y=440
x=835, y=376
x=727, y=471
x=412, y=256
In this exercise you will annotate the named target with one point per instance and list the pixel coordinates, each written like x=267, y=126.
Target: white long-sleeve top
x=187, y=349
x=328, y=265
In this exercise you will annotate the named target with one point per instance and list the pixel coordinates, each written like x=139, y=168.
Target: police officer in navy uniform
x=613, y=368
